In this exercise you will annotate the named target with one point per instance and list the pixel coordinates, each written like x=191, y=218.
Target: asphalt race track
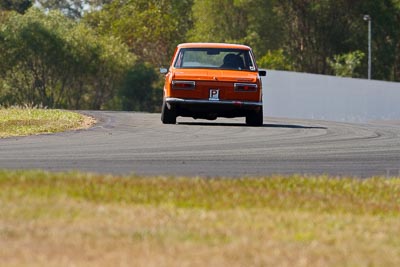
x=126, y=143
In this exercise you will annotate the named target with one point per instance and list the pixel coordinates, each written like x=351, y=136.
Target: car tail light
x=183, y=85
x=245, y=87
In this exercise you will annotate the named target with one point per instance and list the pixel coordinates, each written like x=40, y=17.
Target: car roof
x=213, y=45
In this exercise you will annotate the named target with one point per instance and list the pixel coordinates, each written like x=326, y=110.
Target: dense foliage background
x=102, y=54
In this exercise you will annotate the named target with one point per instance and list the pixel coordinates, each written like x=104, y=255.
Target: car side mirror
x=262, y=72
x=163, y=70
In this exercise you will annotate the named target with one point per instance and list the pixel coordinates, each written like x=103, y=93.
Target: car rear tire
x=168, y=116
x=255, y=118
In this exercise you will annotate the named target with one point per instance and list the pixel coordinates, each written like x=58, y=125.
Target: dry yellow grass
x=78, y=219
x=30, y=121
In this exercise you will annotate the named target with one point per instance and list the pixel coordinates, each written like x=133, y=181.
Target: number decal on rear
x=214, y=94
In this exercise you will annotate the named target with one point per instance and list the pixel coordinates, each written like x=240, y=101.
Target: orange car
x=210, y=80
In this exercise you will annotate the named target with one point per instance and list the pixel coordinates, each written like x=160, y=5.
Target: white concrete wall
x=312, y=96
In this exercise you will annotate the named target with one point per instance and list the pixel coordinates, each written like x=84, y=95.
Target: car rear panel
x=222, y=80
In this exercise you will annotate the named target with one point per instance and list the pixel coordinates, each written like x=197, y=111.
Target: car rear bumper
x=188, y=102
x=199, y=108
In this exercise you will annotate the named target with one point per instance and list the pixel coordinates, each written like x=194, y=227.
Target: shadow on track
x=287, y=126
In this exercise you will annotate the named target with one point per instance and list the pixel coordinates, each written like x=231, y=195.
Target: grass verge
x=78, y=219
x=29, y=121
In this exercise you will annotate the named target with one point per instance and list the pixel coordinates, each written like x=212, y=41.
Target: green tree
x=220, y=20
x=346, y=64
x=111, y=68
x=252, y=22
x=53, y=61
x=19, y=6
x=385, y=37
x=72, y=8
x=151, y=28
x=138, y=92
x=31, y=56
x=396, y=68
x=275, y=60
x=316, y=30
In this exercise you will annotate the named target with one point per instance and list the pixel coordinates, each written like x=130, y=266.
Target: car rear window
x=215, y=58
